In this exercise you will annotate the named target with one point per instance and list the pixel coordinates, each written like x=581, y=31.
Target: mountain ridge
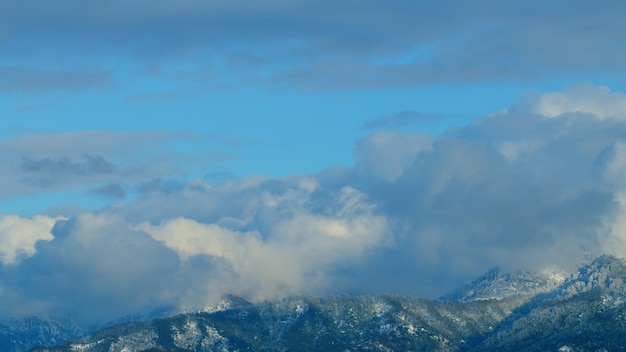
x=497, y=312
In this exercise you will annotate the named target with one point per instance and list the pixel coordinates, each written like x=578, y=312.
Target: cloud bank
x=538, y=184
x=307, y=45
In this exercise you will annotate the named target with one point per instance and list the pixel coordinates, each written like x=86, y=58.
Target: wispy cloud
x=34, y=163
x=110, y=190
x=401, y=119
x=17, y=78
x=48, y=171
x=91, y=165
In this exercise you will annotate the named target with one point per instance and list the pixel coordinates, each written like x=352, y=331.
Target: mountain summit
x=496, y=284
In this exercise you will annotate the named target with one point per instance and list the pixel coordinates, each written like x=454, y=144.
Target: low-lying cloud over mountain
x=538, y=184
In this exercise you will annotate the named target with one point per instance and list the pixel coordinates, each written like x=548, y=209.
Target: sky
x=167, y=153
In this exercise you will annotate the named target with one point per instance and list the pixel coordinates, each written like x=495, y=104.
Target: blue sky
x=375, y=141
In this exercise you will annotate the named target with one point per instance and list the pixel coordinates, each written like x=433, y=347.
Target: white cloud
x=292, y=254
x=584, y=99
x=188, y=238
x=97, y=267
x=18, y=235
x=514, y=189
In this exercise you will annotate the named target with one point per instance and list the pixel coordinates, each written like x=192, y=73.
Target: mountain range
x=545, y=311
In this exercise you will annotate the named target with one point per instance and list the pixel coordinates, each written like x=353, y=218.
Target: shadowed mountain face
x=497, y=312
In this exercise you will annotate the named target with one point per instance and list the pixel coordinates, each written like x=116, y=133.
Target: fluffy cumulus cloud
x=18, y=236
x=535, y=185
x=292, y=254
x=581, y=99
x=280, y=241
x=98, y=267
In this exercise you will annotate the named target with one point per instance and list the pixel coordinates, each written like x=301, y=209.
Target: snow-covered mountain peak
x=227, y=302
x=604, y=264
x=496, y=284
x=605, y=272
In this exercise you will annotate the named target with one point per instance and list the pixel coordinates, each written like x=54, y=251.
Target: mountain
x=336, y=323
x=585, y=313
x=496, y=284
x=497, y=312
x=22, y=334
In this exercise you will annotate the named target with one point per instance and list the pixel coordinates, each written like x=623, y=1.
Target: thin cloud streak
x=401, y=119
x=23, y=79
